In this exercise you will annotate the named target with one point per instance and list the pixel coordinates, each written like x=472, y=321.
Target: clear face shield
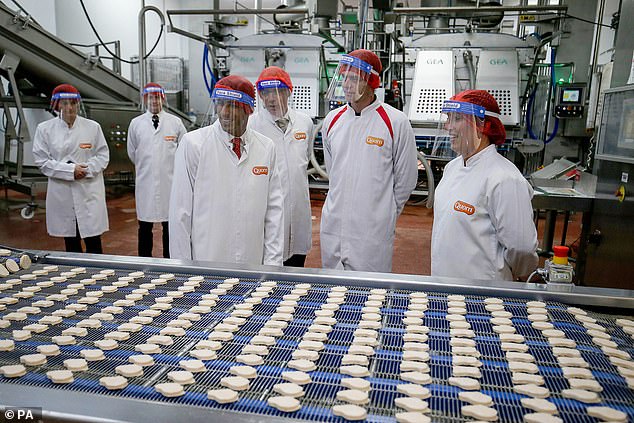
x=68, y=106
x=350, y=80
x=232, y=108
x=459, y=130
x=154, y=99
x=274, y=97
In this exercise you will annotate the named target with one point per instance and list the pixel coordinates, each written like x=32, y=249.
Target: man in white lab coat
x=370, y=155
x=152, y=141
x=483, y=217
x=72, y=151
x=226, y=203
x=291, y=131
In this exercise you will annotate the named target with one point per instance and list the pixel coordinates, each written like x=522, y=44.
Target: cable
x=103, y=44
x=531, y=276
x=588, y=21
x=207, y=68
x=553, y=83
x=19, y=6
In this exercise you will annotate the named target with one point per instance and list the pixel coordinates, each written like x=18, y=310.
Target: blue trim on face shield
x=271, y=83
x=355, y=62
x=151, y=90
x=225, y=94
x=452, y=106
x=66, y=96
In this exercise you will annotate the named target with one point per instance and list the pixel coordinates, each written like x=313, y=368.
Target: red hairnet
x=65, y=88
x=62, y=88
x=152, y=85
x=273, y=73
x=493, y=127
x=372, y=59
x=238, y=83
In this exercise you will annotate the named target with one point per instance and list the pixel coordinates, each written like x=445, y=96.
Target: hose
x=207, y=68
x=431, y=184
x=313, y=160
x=531, y=99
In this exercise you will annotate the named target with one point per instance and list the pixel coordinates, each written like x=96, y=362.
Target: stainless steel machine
x=34, y=61
x=61, y=291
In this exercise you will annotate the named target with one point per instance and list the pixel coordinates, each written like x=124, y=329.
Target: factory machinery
x=549, y=90
x=392, y=347
x=34, y=61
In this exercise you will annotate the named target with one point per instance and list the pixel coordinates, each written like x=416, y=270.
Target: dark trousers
x=73, y=243
x=296, y=260
x=146, y=239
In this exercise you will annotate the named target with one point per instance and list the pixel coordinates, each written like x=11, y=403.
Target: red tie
x=236, y=146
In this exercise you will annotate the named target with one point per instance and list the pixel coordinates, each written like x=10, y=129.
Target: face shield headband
x=271, y=83
x=227, y=94
x=357, y=63
x=154, y=90
x=65, y=96
x=453, y=106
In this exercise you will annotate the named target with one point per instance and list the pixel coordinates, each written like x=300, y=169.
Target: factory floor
x=411, y=249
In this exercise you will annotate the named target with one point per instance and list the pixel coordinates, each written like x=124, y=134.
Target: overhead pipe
x=295, y=10
x=471, y=9
x=285, y=16
x=362, y=18
x=142, y=46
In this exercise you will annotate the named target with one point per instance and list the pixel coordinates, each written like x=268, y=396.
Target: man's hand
x=80, y=171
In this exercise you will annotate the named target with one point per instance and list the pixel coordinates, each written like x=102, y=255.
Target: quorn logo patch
x=260, y=170
x=466, y=208
x=374, y=141
x=171, y=138
x=85, y=145
x=300, y=136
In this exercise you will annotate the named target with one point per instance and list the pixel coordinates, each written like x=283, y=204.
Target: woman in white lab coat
x=72, y=151
x=483, y=218
x=291, y=132
x=226, y=203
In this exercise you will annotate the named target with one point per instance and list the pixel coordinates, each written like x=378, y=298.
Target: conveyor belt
x=320, y=394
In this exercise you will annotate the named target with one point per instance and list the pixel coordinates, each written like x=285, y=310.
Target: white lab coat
x=56, y=150
x=483, y=220
x=372, y=174
x=152, y=151
x=224, y=209
x=291, y=149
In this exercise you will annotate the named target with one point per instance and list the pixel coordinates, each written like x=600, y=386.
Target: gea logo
x=247, y=59
x=498, y=61
x=260, y=170
x=302, y=60
x=466, y=208
x=434, y=61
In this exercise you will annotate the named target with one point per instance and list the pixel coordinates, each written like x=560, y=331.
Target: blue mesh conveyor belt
x=320, y=395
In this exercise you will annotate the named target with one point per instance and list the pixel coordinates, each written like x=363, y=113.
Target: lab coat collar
x=227, y=138
x=481, y=155
x=273, y=119
x=160, y=114
x=369, y=108
x=62, y=124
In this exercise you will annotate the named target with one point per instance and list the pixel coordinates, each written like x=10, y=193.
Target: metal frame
x=601, y=139
x=577, y=295
x=68, y=406
x=62, y=405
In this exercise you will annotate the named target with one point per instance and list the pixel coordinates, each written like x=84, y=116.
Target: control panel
x=570, y=100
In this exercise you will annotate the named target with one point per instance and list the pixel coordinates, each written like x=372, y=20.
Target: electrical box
x=570, y=100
